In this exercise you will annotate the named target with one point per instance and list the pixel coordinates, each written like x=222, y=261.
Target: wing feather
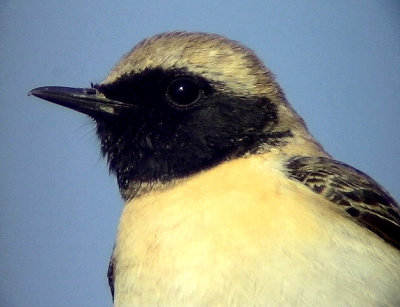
x=355, y=193
x=111, y=275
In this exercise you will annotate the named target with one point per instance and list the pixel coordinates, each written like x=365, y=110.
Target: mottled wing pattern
x=354, y=192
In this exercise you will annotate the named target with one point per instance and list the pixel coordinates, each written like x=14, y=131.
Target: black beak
x=86, y=100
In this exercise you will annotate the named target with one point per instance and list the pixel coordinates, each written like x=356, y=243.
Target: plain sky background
x=338, y=62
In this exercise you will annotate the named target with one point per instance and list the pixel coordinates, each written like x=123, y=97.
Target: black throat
x=158, y=143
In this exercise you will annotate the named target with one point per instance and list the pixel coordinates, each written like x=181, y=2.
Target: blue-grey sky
x=338, y=62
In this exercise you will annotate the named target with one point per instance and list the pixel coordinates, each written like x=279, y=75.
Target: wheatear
x=229, y=199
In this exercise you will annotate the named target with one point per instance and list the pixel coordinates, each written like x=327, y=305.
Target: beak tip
x=36, y=91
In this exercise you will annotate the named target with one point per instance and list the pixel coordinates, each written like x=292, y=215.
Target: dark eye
x=183, y=92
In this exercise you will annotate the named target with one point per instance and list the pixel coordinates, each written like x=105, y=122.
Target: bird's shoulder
x=353, y=192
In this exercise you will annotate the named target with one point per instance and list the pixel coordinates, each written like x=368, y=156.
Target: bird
x=229, y=199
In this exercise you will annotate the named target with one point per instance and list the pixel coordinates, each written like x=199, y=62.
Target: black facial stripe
x=149, y=87
x=158, y=142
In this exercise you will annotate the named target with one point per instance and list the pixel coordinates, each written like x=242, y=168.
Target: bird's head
x=181, y=102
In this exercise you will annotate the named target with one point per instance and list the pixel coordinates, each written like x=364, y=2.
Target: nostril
x=90, y=91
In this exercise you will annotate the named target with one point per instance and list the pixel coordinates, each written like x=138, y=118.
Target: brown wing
x=355, y=193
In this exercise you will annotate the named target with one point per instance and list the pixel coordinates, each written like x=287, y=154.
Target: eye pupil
x=183, y=92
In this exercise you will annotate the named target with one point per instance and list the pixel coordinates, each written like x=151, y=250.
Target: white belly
x=244, y=235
